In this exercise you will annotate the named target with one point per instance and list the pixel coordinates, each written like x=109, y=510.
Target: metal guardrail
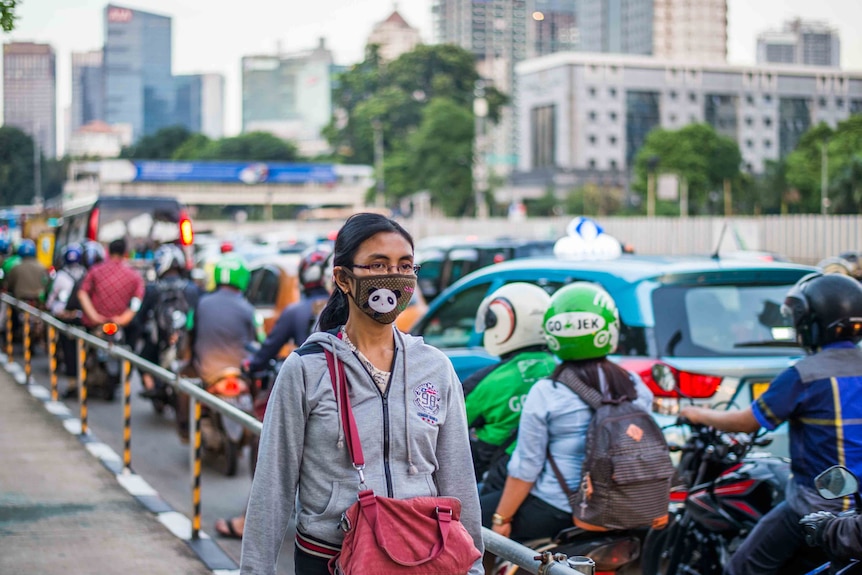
x=545, y=564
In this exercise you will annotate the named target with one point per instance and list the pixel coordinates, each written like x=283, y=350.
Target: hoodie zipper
x=386, y=432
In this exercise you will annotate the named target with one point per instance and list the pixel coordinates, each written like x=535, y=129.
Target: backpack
x=627, y=470
x=170, y=298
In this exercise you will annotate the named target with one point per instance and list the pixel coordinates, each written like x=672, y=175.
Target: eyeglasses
x=380, y=268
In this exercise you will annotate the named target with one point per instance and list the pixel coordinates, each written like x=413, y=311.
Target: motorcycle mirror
x=664, y=376
x=836, y=482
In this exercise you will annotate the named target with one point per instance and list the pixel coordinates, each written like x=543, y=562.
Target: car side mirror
x=664, y=377
x=836, y=482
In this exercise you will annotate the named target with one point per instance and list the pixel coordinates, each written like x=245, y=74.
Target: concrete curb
x=207, y=550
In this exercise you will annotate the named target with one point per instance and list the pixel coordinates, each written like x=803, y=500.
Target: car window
x=429, y=277
x=722, y=320
x=451, y=324
x=263, y=287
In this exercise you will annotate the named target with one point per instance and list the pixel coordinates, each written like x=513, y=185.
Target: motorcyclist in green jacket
x=511, y=321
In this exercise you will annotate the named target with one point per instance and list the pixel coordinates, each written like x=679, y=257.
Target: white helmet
x=512, y=317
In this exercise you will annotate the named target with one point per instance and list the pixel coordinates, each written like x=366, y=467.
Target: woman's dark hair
x=618, y=380
x=357, y=229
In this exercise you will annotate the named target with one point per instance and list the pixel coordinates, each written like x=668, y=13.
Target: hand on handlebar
x=693, y=415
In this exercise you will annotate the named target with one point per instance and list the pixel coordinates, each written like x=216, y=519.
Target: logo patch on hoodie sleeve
x=426, y=397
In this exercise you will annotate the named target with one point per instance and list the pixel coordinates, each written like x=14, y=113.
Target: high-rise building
x=552, y=27
x=288, y=95
x=616, y=26
x=693, y=30
x=199, y=103
x=139, y=88
x=30, y=92
x=496, y=32
x=800, y=42
x=88, y=89
x=394, y=36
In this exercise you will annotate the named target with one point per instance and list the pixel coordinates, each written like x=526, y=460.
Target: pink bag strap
x=342, y=396
x=368, y=503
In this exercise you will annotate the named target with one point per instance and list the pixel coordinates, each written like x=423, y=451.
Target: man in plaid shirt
x=111, y=291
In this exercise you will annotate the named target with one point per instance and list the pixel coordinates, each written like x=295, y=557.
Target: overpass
x=223, y=183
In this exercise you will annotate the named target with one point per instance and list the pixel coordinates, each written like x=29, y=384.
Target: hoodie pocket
x=342, y=496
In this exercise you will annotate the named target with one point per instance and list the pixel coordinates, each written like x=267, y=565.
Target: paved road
x=160, y=458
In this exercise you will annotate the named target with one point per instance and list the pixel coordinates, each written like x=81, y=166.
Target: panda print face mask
x=382, y=297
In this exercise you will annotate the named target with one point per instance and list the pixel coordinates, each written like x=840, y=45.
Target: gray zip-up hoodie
x=414, y=438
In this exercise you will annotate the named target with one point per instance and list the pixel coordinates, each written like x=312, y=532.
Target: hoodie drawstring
x=411, y=469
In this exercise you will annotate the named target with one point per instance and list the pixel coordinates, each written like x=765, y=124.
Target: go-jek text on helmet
x=231, y=270
x=312, y=269
x=72, y=254
x=582, y=322
x=825, y=309
x=511, y=318
x=93, y=253
x=168, y=257
x=27, y=249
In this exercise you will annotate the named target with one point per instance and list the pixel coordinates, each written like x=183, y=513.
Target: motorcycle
x=260, y=383
x=835, y=483
x=104, y=370
x=222, y=437
x=172, y=344
x=720, y=492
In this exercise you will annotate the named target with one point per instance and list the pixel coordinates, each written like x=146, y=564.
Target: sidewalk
x=64, y=512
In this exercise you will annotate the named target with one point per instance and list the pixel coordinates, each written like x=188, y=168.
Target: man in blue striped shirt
x=821, y=398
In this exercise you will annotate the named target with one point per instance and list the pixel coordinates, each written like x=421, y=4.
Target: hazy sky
x=212, y=35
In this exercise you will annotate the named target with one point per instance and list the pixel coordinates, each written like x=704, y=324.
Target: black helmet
x=825, y=309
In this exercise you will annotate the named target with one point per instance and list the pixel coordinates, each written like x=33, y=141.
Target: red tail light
x=187, y=236
x=110, y=328
x=93, y=225
x=695, y=385
x=229, y=386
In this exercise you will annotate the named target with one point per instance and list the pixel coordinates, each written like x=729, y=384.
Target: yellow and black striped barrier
x=127, y=415
x=9, y=312
x=52, y=362
x=195, y=418
x=28, y=365
x=82, y=384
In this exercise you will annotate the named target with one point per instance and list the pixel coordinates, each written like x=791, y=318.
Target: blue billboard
x=236, y=172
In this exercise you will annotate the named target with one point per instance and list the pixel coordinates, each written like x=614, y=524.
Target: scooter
x=835, y=483
x=171, y=344
x=221, y=436
x=103, y=369
x=721, y=491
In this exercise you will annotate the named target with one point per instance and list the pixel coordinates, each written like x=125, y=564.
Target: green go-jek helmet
x=231, y=270
x=582, y=322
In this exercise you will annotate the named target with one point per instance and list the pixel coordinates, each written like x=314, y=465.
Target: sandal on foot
x=224, y=527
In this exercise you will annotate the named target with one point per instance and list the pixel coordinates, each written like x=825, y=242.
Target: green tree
x=702, y=159
x=16, y=166
x=158, y=146
x=447, y=176
x=194, y=148
x=7, y=14
x=804, y=165
x=254, y=146
x=390, y=101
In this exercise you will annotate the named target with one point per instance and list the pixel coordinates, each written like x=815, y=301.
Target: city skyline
x=200, y=46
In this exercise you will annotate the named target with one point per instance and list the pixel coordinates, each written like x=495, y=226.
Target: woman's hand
x=504, y=530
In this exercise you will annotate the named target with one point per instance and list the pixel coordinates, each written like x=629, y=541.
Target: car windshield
x=722, y=320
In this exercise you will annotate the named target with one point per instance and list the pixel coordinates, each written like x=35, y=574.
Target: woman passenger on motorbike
x=554, y=420
x=404, y=394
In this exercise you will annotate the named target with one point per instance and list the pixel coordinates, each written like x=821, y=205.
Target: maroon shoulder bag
x=387, y=536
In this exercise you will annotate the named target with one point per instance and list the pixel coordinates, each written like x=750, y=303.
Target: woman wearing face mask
x=405, y=396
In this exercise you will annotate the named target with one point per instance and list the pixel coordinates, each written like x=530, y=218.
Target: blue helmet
x=72, y=254
x=93, y=253
x=27, y=249
x=4, y=245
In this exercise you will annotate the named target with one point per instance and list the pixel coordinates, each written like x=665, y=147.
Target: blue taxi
x=716, y=322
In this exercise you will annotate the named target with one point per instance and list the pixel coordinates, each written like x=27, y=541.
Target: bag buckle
x=445, y=510
x=359, y=469
x=344, y=524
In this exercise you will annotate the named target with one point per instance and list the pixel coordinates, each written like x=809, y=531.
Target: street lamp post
x=480, y=167
x=824, y=179
x=652, y=162
x=380, y=183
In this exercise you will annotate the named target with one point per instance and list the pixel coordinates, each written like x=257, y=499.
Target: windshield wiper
x=767, y=343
